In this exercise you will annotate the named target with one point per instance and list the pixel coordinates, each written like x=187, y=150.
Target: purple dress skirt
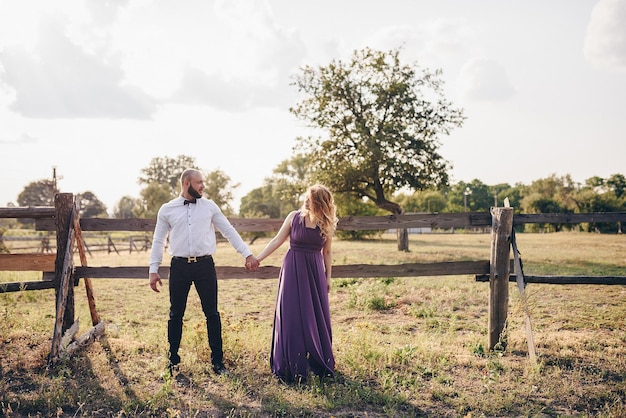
x=302, y=337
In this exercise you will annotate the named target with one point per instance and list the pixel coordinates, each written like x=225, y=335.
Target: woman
x=302, y=337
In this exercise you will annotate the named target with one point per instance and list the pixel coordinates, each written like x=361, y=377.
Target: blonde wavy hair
x=319, y=205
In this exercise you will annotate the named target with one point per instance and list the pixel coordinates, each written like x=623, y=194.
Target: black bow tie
x=189, y=201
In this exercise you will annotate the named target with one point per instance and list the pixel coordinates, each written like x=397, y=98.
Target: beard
x=193, y=192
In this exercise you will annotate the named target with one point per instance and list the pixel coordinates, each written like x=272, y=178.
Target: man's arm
x=156, y=252
x=229, y=232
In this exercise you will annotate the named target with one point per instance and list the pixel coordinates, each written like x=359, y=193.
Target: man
x=190, y=221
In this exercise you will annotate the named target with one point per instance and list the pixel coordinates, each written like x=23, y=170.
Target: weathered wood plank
x=66, y=209
x=32, y=212
x=83, y=341
x=502, y=225
x=417, y=220
x=450, y=268
x=605, y=280
x=352, y=223
x=27, y=262
x=19, y=286
x=568, y=218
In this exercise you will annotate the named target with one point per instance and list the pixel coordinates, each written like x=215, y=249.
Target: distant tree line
x=281, y=193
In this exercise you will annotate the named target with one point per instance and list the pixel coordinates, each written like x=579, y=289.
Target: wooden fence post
x=64, y=288
x=64, y=205
x=502, y=227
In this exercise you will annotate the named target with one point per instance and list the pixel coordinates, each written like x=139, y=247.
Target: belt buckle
x=192, y=260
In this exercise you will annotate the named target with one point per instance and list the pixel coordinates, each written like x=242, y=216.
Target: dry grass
x=404, y=346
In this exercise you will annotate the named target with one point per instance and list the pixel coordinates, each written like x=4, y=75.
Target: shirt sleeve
x=158, y=241
x=229, y=232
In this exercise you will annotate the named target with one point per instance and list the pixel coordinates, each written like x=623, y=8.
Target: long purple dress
x=302, y=338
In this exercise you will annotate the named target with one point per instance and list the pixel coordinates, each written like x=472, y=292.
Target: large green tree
x=280, y=193
x=218, y=188
x=161, y=182
x=167, y=170
x=126, y=207
x=38, y=193
x=152, y=197
x=380, y=122
x=261, y=202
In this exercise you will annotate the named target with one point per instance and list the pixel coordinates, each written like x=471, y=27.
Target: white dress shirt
x=191, y=229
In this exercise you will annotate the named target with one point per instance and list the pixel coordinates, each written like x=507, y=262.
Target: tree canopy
x=161, y=182
x=91, y=206
x=218, y=188
x=38, y=193
x=381, y=122
x=279, y=193
x=166, y=170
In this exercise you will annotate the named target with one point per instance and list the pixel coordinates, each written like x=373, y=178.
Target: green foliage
x=218, y=188
x=350, y=205
x=281, y=193
x=426, y=201
x=260, y=203
x=382, y=121
x=167, y=170
x=601, y=195
x=126, y=207
x=617, y=184
x=377, y=303
x=161, y=180
x=153, y=196
x=557, y=193
x=38, y=193
x=91, y=206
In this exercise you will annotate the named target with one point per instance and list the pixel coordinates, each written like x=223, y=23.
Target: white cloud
x=255, y=71
x=230, y=94
x=605, y=43
x=105, y=12
x=485, y=80
x=434, y=42
x=59, y=79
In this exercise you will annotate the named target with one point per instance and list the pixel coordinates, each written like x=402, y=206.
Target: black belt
x=193, y=259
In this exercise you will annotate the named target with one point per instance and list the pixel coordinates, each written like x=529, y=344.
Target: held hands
x=154, y=279
x=252, y=263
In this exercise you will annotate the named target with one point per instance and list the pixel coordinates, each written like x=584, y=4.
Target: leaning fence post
x=501, y=230
x=65, y=210
x=64, y=207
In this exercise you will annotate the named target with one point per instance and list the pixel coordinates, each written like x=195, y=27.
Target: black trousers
x=202, y=275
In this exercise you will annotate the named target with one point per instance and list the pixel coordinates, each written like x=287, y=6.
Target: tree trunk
x=403, y=235
x=393, y=207
x=403, y=239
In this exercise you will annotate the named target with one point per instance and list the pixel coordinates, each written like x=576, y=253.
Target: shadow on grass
x=79, y=387
x=325, y=397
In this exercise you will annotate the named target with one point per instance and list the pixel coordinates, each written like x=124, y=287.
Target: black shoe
x=220, y=369
x=174, y=359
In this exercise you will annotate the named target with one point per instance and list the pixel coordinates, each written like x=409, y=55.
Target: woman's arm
x=278, y=240
x=327, y=254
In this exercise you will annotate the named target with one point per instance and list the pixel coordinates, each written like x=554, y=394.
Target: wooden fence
x=60, y=273
x=97, y=243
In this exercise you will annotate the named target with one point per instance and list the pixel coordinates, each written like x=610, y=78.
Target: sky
x=98, y=88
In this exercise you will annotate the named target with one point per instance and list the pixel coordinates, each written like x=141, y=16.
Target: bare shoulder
x=291, y=215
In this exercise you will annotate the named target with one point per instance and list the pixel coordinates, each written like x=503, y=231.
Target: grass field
x=403, y=346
